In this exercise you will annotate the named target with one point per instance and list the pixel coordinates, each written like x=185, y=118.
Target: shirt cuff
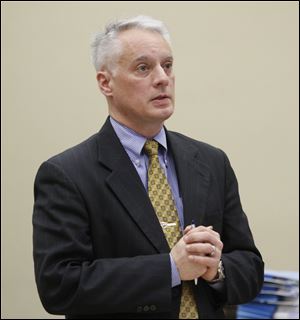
x=175, y=274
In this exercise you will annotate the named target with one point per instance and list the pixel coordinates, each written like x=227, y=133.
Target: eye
x=168, y=66
x=142, y=67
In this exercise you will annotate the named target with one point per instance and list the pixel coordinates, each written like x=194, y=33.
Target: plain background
x=236, y=67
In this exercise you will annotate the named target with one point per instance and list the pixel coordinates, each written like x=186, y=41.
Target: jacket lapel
x=193, y=179
x=125, y=183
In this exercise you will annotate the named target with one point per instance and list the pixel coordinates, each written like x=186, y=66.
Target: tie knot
x=151, y=148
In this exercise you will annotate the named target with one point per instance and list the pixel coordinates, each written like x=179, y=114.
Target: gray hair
x=105, y=46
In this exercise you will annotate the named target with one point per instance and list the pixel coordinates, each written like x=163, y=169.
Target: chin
x=160, y=113
x=167, y=112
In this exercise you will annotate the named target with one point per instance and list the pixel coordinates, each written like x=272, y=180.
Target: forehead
x=136, y=43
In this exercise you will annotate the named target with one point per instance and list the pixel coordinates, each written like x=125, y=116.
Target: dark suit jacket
x=99, y=250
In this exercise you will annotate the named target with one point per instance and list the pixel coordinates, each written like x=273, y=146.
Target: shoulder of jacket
x=75, y=152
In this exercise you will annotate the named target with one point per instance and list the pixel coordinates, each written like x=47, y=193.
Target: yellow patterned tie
x=162, y=200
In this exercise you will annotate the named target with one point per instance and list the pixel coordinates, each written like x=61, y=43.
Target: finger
x=207, y=230
x=203, y=228
x=187, y=229
x=204, y=261
x=203, y=236
x=204, y=249
x=213, y=250
x=216, y=234
x=201, y=248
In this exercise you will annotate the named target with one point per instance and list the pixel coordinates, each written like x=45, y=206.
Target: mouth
x=161, y=97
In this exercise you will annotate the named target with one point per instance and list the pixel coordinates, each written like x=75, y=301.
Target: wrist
x=220, y=276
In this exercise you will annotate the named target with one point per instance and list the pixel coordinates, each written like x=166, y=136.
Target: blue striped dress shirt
x=133, y=144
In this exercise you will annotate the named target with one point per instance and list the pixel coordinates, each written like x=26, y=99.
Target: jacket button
x=146, y=308
x=139, y=309
x=152, y=307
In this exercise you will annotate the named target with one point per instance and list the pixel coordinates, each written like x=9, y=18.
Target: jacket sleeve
x=243, y=264
x=70, y=280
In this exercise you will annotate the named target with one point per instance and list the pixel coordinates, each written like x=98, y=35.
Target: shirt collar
x=133, y=142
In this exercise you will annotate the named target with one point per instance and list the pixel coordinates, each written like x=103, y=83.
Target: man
x=138, y=221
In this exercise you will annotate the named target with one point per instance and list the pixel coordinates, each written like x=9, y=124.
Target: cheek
x=133, y=91
x=141, y=93
x=172, y=81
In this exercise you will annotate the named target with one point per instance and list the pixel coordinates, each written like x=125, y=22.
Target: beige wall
x=237, y=88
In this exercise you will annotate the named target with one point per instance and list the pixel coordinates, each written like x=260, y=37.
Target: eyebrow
x=143, y=58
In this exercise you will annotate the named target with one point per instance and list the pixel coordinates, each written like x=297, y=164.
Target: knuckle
x=221, y=245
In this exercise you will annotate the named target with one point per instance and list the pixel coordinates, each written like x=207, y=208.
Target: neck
x=148, y=130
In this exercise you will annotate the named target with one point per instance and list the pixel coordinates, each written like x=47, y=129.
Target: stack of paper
x=278, y=299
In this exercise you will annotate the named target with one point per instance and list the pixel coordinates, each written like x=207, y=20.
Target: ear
x=104, y=82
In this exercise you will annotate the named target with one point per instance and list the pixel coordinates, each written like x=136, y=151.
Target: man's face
x=142, y=86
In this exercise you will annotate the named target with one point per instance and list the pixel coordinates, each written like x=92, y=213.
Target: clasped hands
x=197, y=253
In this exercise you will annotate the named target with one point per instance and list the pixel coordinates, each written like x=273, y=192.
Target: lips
x=161, y=97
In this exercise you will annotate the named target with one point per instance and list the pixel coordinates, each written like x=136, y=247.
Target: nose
x=161, y=79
